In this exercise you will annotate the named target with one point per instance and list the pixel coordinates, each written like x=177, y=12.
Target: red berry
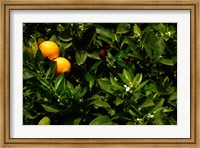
x=102, y=53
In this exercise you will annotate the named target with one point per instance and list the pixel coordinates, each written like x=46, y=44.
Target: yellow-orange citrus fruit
x=49, y=49
x=40, y=40
x=62, y=66
x=45, y=121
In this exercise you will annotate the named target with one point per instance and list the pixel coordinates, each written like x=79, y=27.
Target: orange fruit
x=49, y=49
x=62, y=65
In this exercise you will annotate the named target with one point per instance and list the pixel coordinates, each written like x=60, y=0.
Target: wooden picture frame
x=6, y=6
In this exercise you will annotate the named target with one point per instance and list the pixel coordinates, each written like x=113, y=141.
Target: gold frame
x=7, y=5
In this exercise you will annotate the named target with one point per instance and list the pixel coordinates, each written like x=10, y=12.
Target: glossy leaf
x=105, y=85
x=167, y=62
x=50, y=109
x=136, y=29
x=51, y=70
x=95, y=65
x=123, y=28
x=137, y=79
x=140, y=86
x=147, y=103
x=65, y=36
x=89, y=79
x=94, y=55
x=33, y=45
x=81, y=57
x=127, y=75
x=59, y=83
x=100, y=103
x=101, y=120
x=119, y=101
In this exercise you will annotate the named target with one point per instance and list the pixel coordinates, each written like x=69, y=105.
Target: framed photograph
x=99, y=73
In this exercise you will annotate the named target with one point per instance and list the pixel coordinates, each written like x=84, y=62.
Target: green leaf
x=27, y=53
x=167, y=62
x=29, y=116
x=95, y=65
x=160, y=47
x=136, y=29
x=123, y=28
x=33, y=45
x=53, y=38
x=45, y=83
x=167, y=109
x=147, y=103
x=49, y=109
x=115, y=85
x=77, y=121
x=66, y=45
x=59, y=83
x=81, y=57
x=131, y=112
x=159, y=27
x=70, y=86
x=65, y=36
x=102, y=31
x=101, y=120
x=137, y=79
x=89, y=79
x=119, y=101
x=51, y=70
x=124, y=78
x=136, y=110
x=27, y=74
x=158, y=106
x=148, y=50
x=127, y=75
x=121, y=63
x=79, y=92
x=100, y=103
x=38, y=56
x=88, y=36
x=105, y=39
x=127, y=41
x=105, y=85
x=96, y=97
x=111, y=112
x=94, y=55
x=141, y=85
x=173, y=99
x=65, y=93
x=159, y=118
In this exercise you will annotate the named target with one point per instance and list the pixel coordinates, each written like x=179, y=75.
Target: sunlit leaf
x=94, y=55
x=105, y=85
x=50, y=109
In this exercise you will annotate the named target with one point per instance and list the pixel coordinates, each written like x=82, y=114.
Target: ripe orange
x=49, y=49
x=62, y=66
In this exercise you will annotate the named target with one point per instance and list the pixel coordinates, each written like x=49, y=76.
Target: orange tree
x=119, y=74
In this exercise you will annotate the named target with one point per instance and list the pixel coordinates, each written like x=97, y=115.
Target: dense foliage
x=122, y=74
